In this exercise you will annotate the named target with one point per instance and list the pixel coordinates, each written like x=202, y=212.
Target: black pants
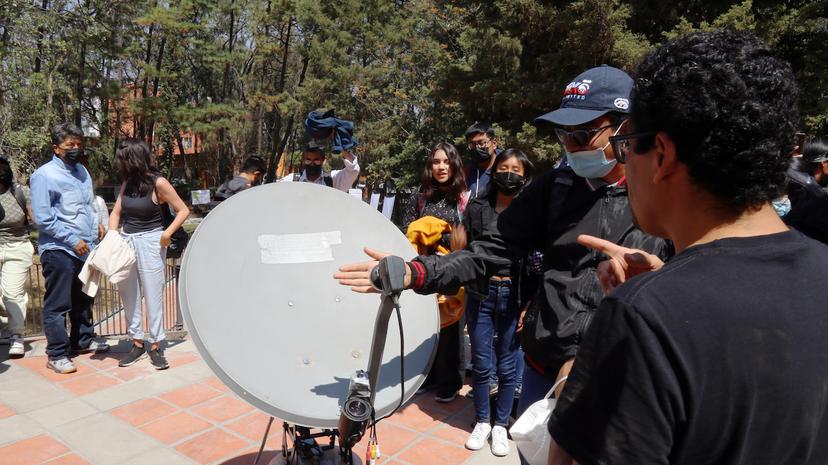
x=64, y=295
x=446, y=375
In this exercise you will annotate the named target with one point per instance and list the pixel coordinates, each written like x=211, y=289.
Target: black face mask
x=482, y=153
x=313, y=170
x=508, y=183
x=73, y=156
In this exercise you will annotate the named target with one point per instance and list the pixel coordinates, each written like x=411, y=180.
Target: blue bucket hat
x=592, y=94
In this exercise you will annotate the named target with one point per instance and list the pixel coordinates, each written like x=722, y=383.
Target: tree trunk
x=158, y=63
x=40, y=32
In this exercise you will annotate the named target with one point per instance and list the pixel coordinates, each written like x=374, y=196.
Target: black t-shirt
x=720, y=357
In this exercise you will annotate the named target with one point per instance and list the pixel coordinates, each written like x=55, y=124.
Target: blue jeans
x=498, y=314
x=146, y=279
x=64, y=295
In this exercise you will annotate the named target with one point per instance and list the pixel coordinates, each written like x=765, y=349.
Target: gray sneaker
x=94, y=346
x=158, y=360
x=61, y=366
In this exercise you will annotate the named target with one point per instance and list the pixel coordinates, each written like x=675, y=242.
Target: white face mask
x=592, y=164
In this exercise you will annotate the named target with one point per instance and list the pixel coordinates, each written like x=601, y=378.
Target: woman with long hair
x=432, y=213
x=143, y=196
x=493, y=321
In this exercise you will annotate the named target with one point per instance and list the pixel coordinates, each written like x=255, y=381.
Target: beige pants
x=15, y=261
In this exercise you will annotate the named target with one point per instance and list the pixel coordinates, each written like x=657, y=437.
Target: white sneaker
x=478, y=437
x=500, y=441
x=62, y=366
x=17, y=348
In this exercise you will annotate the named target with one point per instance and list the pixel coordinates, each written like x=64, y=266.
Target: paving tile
x=177, y=359
x=452, y=434
x=131, y=372
x=190, y=395
x=143, y=411
x=38, y=365
x=175, y=427
x=122, y=394
x=104, y=440
x=61, y=413
x=430, y=451
x=32, y=451
x=216, y=383
x=68, y=459
x=222, y=409
x=103, y=361
x=211, y=446
x=485, y=457
x=163, y=456
x=248, y=456
x=30, y=392
x=253, y=426
x=89, y=383
x=18, y=427
x=6, y=411
x=428, y=404
x=392, y=439
x=415, y=417
x=193, y=371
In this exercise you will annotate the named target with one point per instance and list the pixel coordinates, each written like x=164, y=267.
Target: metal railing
x=107, y=312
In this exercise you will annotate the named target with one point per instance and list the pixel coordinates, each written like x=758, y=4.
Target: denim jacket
x=63, y=203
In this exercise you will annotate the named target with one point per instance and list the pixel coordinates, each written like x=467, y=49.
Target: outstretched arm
x=623, y=262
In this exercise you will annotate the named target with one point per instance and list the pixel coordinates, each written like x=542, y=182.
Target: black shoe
x=158, y=360
x=133, y=356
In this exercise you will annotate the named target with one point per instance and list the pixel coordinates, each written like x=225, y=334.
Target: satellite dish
x=258, y=297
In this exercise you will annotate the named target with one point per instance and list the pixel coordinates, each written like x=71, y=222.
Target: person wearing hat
x=585, y=195
x=313, y=157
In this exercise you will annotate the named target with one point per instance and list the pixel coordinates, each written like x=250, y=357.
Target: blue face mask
x=782, y=206
x=591, y=164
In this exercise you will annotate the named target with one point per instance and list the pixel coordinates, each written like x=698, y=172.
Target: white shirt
x=342, y=179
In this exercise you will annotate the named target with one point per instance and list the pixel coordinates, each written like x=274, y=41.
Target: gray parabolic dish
x=274, y=325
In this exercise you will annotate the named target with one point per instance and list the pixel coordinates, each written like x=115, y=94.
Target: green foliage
x=410, y=73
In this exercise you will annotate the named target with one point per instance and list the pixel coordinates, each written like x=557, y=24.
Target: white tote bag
x=530, y=433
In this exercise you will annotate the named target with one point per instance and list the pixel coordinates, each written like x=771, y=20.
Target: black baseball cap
x=592, y=94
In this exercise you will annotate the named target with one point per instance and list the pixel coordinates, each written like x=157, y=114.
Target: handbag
x=179, y=239
x=530, y=433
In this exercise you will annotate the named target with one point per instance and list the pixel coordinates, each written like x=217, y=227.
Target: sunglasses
x=579, y=137
x=621, y=144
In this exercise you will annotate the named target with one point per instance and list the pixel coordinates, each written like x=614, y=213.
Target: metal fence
x=107, y=312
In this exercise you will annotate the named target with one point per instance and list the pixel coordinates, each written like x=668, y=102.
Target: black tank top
x=140, y=213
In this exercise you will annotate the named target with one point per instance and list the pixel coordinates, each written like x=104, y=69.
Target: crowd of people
x=665, y=269
x=672, y=303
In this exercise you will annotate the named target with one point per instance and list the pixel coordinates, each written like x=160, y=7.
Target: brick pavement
x=105, y=415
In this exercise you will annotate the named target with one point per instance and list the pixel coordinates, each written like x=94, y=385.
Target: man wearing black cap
x=588, y=196
x=313, y=157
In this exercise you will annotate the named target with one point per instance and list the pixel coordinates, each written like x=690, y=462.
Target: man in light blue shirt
x=63, y=204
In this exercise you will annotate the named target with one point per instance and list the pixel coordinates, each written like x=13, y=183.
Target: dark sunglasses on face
x=579, y=137
x=622, y=146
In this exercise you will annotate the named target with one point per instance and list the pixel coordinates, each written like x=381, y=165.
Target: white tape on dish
x=277, y=249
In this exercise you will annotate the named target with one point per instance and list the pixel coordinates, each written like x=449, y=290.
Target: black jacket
x=480, y=221
x=548, y=216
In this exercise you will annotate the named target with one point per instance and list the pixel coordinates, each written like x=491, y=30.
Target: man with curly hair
x=717, y=356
